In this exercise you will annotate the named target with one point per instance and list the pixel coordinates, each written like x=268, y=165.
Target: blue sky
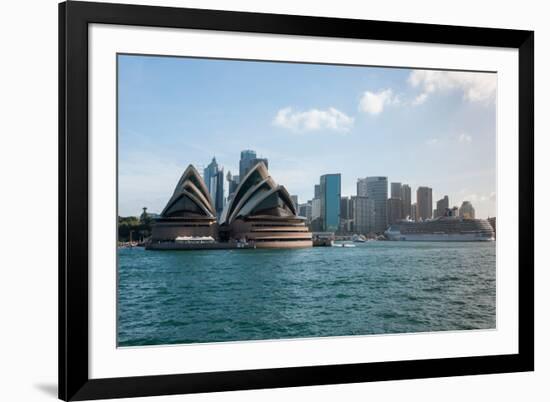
x=421, y=127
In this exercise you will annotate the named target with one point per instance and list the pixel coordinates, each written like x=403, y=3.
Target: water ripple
x=375, y=288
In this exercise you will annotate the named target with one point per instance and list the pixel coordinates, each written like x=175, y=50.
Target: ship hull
x=447, y=228
x=454, y=237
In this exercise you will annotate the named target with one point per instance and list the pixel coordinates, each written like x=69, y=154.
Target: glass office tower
x=330, y=188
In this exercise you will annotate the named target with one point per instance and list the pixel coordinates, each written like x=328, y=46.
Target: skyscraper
x=361, y=187
x=317, y=191
x=232, y=183
x=346, y=210
x=406, y=202
x=245, y=163
x=467, y=210
x=395, y=190
x=376, y=189
x=441, y=207
x=248, y=161
x=315, y=223
x=315, y=209
x=414, y=212
x=424, y=203
x=213, y=177
x=330, y=202
x=305, y=210
x=364, y=216
x=346, y=214
x=394, y=210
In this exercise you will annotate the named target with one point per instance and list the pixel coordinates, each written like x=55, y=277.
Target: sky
x=421, y=127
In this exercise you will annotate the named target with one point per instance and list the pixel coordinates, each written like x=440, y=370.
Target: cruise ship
x=445, y=228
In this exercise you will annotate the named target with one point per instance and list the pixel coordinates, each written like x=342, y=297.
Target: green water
x=171, y=297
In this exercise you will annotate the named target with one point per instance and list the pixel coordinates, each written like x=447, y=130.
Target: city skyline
x=409, y=126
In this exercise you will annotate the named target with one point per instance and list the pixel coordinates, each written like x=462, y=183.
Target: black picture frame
x=74, y=18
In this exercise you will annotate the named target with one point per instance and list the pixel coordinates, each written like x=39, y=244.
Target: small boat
x=333, y=244
x=359, y=238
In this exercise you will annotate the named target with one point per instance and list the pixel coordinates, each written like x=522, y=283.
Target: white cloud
x=313, y=120
x=374, y=102
x=420, y=99
x=432, y=141
x=475, y=87
x=465, y=138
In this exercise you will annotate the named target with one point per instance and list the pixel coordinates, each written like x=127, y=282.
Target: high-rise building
x=232, y=183
x=376, y=189
x=317, y=191
x=467, y=210
x=346, y=210
x=315, y=209
x=315, y=223
x=346, y=214
x=362, y=187
x=394, y=210
x=406, y=202
x=330, y=202
x=424, y=203
x=364, y=215
x=245, y=163
x=248, y=161
x=213, y=177
x=395, y=190
x=414, y=212
x=305, y=210
x=442, y=206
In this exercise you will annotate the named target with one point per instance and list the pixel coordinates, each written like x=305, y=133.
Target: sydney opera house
x=189, y=212
x=259, y=213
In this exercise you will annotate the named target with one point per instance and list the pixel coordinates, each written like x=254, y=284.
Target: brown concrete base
x=284, y=244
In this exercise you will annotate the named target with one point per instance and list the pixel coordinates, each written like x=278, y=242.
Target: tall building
x=467, y=210
x=394, y=210
x=346, y=214
x=245, y=163
x=441, y=206
x=414, y=212
x=364, y=215
x=213, y=177
x=315, y=223
x=395, y=190
x=305, y=210
x=346, y=208
x=406, y=202
x=376, y=189
x=315, y=209
x=330, y=187
x=232, y=184
x=248, y=161
x=317, y=191
x=361, y=187
x=424, y=203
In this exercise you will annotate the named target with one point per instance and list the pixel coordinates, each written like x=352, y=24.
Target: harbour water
x=174, y=297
